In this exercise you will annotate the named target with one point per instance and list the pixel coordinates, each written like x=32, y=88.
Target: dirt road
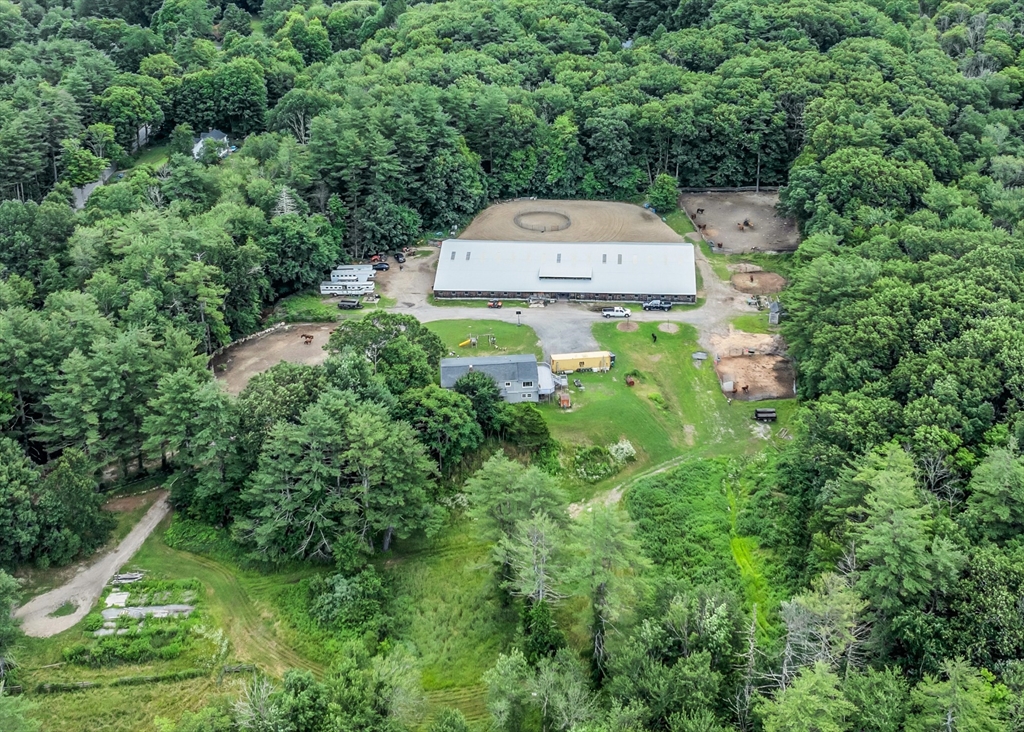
x=86, y=587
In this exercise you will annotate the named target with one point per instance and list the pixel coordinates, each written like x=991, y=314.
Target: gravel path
x=85, y=588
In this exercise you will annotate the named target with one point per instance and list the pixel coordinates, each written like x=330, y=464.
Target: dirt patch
x=627, y=326
x=690, y=434
x=128, y=504
x=724, y=212
x=243, y=362
x=410, y=283
x=758, y=283
x=740, y=343
x=744, y=267
x=668, y=328
x=752, y=378
x=590, y=221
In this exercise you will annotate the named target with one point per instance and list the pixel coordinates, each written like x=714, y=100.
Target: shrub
x=594, y=463
x=92, y=622
x=358, y=602
x=622, y=451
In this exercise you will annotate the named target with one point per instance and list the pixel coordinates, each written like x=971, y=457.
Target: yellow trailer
x=567, y=363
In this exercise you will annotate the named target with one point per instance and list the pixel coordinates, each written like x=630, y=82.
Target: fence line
x=246, y=339
x=737, y=189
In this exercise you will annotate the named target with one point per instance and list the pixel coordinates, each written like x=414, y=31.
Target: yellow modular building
x=566, y=363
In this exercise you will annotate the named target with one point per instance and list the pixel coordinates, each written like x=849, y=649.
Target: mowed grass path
x=508, y=338
x=447, y=596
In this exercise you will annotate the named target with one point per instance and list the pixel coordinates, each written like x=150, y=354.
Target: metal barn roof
x=606, y=267
x=499, y=368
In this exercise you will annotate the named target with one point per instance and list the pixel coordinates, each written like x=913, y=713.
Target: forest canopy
x=896, y=133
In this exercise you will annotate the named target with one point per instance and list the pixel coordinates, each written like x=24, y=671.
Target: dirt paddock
x=764, y=376
x=724, y=212
x=758, y=283
x=248, y=359
x=586, y=221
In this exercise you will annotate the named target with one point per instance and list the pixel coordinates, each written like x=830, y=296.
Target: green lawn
x=308, y=307
x=679, y=222
x=156, y=155
x=676, y=410
x=509, y=338
x=753, y=323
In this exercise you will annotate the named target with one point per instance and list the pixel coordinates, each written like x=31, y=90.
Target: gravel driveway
x=85, y=588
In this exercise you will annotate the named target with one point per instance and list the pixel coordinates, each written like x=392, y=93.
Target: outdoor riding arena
x=723, y=215
x=547, y=220
x=237, y=364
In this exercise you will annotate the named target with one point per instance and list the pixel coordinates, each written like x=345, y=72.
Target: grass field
x=679, y=222
x=509, y=338
x=308, y=307
x=156, y=156
x=454, y=620
x=676, y=409
x=754, y=323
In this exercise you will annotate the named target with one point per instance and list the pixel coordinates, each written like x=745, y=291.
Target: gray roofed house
x=516, y=376
x=216, y=135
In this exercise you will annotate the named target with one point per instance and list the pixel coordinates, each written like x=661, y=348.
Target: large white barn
x=604, y=270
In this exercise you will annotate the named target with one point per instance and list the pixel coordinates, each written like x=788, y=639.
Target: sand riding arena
x=547, y=220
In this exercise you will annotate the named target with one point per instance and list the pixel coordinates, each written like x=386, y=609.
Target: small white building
x=350, y=279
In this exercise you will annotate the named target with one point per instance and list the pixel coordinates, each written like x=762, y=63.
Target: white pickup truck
x=615, y=312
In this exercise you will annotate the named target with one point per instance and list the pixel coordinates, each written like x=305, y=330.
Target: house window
x=467, y=255
x=620, y=259
x=508, y=384
x=453, y=255
x=527, y=383
x=558, y=259
x=604, y=259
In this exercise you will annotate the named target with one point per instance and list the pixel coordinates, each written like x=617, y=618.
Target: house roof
x=500, y=368
x=606, y=267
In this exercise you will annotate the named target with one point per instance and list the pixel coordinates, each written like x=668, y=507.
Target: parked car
x=349, y=304
x=399, y=257
x=381, y=266
x=494, y=303
x=657, y=305
x=615, y=312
